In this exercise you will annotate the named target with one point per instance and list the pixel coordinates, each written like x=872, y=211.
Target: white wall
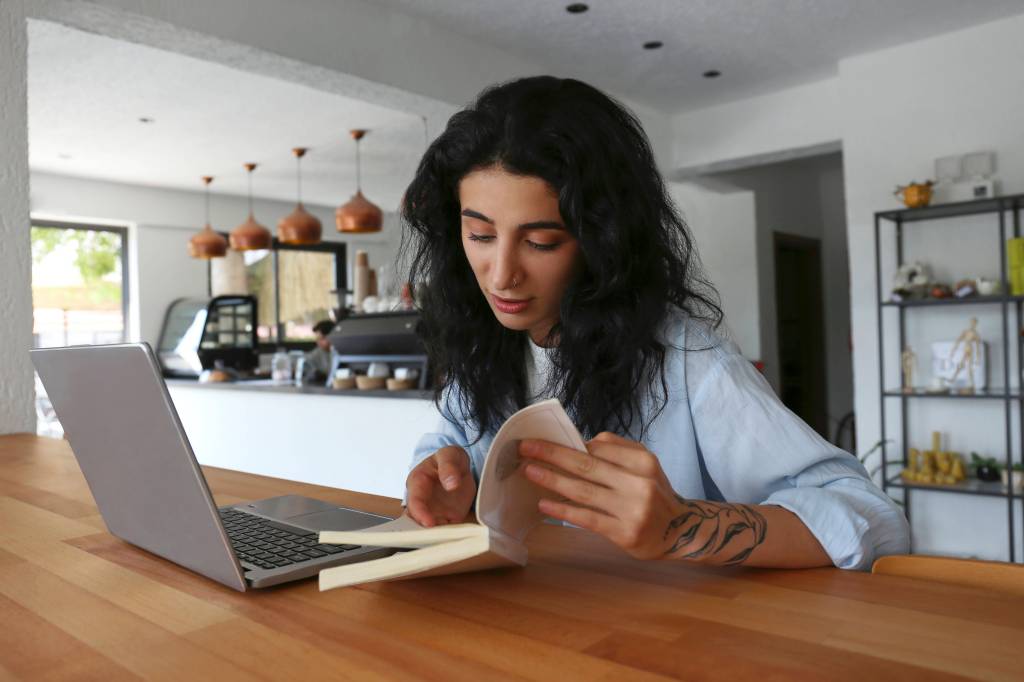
x=339, y=441
x=836, y=258
x=16, y=388
x=804, y=198
x=723, y=228
x=160, y=223
x=902, y=108
x=802, y=116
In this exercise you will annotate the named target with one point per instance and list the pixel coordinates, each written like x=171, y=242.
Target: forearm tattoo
x=707, y=528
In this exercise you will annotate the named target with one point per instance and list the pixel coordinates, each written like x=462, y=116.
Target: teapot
x=916, y=194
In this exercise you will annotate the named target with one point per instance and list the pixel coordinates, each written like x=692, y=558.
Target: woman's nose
x=505, y=270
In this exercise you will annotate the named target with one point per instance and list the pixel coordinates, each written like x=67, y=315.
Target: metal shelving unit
x=1010, y=394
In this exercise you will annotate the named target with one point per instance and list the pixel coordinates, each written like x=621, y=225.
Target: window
x=293, y=285
x=79, y=284
x=79, y=294
x=305, y=280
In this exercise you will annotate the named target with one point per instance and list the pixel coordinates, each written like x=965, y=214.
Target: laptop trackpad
x=337, y=519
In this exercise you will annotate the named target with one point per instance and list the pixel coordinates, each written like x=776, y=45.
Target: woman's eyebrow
x=535, y=225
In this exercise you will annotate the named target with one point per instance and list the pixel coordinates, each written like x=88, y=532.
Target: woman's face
x=518, y=246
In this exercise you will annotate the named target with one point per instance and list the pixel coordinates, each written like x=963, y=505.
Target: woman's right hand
x=441, y=488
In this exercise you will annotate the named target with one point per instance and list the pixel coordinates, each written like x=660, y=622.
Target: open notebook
x=506, y=511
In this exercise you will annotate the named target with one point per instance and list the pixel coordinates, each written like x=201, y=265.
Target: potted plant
x=985, y=468
x=1016, y=474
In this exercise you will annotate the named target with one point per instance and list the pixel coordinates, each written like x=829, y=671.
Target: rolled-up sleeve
x=758, y=452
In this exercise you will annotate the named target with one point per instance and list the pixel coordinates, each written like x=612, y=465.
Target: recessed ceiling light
x=653, y=44
x=712, y=74
x=64, y=156
x=576, y=8
x=145, y=119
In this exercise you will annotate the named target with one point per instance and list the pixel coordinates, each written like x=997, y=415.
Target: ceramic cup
x=987, y=287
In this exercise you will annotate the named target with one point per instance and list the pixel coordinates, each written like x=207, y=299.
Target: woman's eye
x=543, y=247
x=479, y=237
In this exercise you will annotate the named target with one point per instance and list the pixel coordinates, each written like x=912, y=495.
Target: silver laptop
x=125, y=433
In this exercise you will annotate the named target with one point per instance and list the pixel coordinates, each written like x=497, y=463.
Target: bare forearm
x=752, y=535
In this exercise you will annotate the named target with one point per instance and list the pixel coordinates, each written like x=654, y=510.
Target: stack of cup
x=361, y=279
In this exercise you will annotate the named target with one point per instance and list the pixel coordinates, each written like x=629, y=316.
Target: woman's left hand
x=619, y=491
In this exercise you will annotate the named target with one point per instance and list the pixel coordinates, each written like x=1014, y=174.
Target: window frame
x=121, y=230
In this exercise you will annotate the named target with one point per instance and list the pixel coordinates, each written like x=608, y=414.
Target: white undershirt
x=538, y=370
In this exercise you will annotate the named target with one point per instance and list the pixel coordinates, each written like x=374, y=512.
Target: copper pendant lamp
x=250, y=235
x=300, y=226
x=206, y=243
x=359, y=214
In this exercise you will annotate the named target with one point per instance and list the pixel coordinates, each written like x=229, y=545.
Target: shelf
x=951, y=210
x=977, y=300
x=971, y=486
x=984, y=394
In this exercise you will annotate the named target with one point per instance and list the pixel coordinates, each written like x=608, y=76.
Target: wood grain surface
x=78, y=603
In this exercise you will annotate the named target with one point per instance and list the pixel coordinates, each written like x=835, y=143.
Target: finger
x=420, y=488
x=578, y=516
x=571, y=461
x=576, y=489
x=418, y=511
x=609, y=437
x=636, y=460
x=421, y=483
x=452, y=465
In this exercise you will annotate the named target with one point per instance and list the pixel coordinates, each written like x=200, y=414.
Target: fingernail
x=529, y=447
x=533, y=471
x=450, y=483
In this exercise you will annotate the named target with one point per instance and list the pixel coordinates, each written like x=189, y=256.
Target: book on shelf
x=506, y=512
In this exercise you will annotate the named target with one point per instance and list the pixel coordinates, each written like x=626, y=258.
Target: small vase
x=1016, y=476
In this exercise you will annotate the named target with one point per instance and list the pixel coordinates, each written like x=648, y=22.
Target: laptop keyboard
x=261, y=544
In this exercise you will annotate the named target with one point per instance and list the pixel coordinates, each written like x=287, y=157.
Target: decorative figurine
x=965, y=288
x=972, y=349
x=911, y=281
x=934, y=466
x=908, y=359
x=916, y=194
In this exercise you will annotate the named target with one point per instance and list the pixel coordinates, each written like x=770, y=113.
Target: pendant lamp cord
x=426, y=139
x=359, y=175
x=298, y=175
x=250, y=191
x=207, y=202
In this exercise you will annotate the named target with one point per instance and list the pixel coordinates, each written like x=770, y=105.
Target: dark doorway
x=801, y=328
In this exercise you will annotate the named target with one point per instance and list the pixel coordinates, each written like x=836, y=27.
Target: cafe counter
x=351, y=439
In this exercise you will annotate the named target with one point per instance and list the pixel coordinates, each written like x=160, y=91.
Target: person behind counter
x=318, y=360
x=558, y=266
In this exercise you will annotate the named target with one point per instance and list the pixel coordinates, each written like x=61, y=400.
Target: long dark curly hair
x=638, y=257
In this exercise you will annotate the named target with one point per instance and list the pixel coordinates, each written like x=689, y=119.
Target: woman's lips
x=507, y=306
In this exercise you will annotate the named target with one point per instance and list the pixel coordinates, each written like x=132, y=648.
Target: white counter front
x=349, y=441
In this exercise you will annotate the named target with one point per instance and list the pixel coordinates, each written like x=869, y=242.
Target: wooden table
x=76, y=602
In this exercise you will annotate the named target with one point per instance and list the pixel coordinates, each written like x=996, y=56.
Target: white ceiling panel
x=759, y=46
x=87, y=93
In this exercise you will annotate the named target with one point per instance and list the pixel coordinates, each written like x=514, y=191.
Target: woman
x=553, y=264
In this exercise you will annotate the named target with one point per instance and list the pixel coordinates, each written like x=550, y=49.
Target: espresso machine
x=359, y=340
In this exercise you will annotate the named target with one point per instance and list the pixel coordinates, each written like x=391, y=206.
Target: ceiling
x=87, y=93
x=759, y=47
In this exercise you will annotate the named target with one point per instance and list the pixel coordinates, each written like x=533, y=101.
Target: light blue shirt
x=725, y=436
